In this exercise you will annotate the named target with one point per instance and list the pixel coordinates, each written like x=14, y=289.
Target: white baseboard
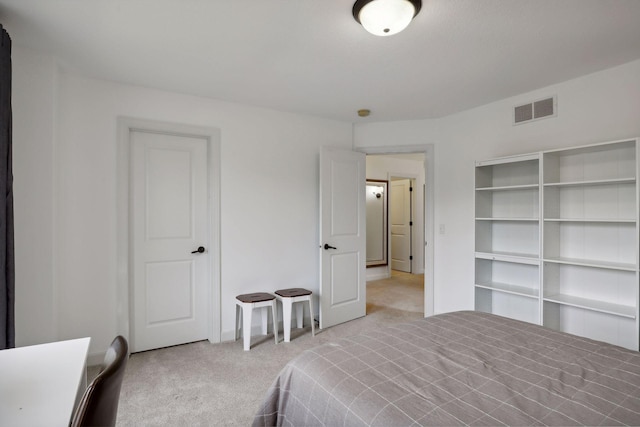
x=377, y=276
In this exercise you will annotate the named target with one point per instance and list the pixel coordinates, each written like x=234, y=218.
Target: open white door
x=342, y=236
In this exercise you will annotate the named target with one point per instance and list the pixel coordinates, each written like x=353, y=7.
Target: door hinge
x=410, y=223
x=410, y=257
x=410, y=188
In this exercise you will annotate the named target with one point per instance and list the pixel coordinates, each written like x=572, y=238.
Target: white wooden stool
x=288, y=297
x=247, y=302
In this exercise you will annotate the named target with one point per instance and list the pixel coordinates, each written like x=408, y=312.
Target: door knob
x=199, y=250
x=327, y=246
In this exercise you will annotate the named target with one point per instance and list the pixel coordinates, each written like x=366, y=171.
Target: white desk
x=40, y=384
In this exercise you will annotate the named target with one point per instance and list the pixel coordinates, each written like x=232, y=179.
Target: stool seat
x=245, y=303
x=293, y=292
x=288, y=297
x=255, y=297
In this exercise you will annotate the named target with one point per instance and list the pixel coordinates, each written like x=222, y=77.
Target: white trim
x=429, y=198
x=212, y=135
x=379, y=276
x=55, y=269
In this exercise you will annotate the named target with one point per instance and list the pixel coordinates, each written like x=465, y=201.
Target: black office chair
x=99, y=403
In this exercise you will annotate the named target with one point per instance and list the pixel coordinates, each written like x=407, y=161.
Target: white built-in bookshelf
x=557, y=240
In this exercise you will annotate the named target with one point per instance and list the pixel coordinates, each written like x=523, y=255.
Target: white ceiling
x=311, y=56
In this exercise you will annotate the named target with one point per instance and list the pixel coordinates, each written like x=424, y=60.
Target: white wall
x=34, y=99
x=384, y=167
x=269, y=194
x=65, y=185
x=599, y=107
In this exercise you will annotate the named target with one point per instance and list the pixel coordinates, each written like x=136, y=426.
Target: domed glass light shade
x=385, y=17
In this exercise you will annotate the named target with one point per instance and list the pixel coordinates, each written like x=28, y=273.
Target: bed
x=457, y=368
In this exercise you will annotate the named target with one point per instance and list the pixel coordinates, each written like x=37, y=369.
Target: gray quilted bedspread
x=463, y=368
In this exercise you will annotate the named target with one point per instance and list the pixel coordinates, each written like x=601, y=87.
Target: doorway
x=168, y=287
x=389, y=162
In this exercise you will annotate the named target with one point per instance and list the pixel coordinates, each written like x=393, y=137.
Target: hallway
x=401, y=292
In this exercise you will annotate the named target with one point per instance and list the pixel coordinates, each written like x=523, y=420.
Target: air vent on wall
x=540, y=109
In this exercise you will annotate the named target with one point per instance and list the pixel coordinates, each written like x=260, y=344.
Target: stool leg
x=265, y=320
x=313, y=322
x=237, y=321
x=274, y=316
x=247, y=309
x=286, y=318
x=299, y=314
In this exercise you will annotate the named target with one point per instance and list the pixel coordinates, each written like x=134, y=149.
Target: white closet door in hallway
x=400, y=222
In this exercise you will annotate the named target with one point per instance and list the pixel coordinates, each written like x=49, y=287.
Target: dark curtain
x=7, y=273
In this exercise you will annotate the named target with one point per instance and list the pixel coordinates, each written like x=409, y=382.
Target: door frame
x=124, y=280
x=428, y=211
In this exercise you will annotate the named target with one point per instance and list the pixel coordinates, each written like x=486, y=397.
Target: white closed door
x=169, y=211
x=400, y=218
x=343, y=237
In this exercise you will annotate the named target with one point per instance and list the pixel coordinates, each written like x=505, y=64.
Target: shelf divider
x=593, y=263
x=510, y=289
x=630, y=180
x=593, y=305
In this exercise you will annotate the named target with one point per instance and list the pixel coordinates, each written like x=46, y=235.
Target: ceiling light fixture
x=385, y=17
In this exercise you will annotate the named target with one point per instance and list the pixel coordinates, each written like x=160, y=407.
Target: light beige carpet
x=220, y=384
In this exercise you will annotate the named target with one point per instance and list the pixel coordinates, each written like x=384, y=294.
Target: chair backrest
x=99, y=403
